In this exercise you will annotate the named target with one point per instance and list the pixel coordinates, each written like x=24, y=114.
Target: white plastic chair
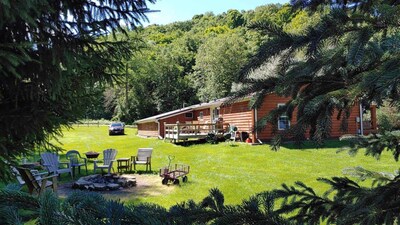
x=143, y=157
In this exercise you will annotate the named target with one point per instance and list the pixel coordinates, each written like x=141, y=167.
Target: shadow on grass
x=189, y=143
x=140, y=172
x=336, y=144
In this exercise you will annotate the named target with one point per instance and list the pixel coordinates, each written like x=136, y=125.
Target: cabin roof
x=216, y=102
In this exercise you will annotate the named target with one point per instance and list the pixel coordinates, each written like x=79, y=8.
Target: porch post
x=253, y=122
x=373, y=117
x=165, y=130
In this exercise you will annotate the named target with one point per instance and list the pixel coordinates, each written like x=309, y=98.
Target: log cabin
x=197, y=121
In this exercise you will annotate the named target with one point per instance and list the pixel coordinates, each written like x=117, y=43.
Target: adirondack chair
x=50, y=161
x=18, y=176
x=143, y=157
x=36, y=181
x=75, y=160
x=108, y=160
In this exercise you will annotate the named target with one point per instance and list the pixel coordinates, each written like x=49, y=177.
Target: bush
x=388, y=118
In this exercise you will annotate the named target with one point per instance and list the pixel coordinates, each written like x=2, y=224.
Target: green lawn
x=238, y=171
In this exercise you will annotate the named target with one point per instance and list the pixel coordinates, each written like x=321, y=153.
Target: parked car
x=116, y=128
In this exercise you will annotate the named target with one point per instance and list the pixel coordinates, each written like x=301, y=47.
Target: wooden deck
x=181, y=131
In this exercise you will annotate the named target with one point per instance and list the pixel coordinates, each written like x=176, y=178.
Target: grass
x=239, y=171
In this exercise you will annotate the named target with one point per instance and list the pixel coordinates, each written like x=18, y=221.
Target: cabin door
x=214, y=114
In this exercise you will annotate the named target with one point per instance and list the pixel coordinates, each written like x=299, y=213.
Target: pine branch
x=377, y=177
x=19, y=199
x=357, y=48
x=49, y=209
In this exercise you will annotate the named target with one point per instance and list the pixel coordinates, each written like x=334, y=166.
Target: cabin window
x=201, y=115
x=189, y=115
x=283, y=120
x=215, y=114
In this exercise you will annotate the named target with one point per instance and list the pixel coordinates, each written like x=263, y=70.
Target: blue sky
x=181, y=10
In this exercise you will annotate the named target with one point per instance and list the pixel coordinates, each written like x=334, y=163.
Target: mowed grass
x=239, y=171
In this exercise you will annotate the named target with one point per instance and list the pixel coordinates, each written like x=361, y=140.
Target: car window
x=116, y=124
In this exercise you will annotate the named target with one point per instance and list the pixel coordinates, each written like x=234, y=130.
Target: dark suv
x=116, y=128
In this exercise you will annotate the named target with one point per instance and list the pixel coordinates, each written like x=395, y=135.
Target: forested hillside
x=188, y=62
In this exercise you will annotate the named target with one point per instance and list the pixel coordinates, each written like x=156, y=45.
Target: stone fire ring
x=98, y=182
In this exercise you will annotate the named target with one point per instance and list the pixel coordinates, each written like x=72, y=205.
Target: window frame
x=215, y=113
x=284, y=117
x=189, y=117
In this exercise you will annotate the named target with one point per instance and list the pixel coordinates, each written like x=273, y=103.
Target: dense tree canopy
x=190, y=61
x=50, y=58
x=217, y=64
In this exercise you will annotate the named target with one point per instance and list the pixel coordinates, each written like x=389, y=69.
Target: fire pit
x=99, y=182
x=92, y=155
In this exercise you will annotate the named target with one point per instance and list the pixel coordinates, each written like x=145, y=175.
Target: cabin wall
x=206, y=115
x=352, y=124
x=238, y=114
x=271, y=102
x=148, y=129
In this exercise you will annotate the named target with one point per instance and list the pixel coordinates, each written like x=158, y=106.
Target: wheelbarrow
x=172, y=174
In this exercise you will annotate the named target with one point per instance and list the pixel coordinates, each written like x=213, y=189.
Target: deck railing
x=180, y=131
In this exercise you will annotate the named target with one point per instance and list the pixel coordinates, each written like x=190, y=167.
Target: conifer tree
x=352, y=54
x=51, y=56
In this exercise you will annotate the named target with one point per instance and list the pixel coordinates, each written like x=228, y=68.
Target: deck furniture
x=37, y=182
x=123, y=164
x=18, y=176
x=143, y=157
x=108, y=160
x=53, y=165
x=75, y=160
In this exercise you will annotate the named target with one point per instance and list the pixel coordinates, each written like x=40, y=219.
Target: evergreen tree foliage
x=50, y=53
x=12, y=200
x=339, y=61
x=345, y=203
x=91, y=208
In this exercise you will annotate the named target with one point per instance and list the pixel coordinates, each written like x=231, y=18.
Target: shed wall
x=148, y=129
